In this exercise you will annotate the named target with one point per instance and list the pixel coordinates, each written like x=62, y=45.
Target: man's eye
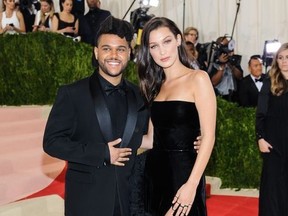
x=121, y=50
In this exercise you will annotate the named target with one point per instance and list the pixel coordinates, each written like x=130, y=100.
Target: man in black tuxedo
x=97, y=124
x=90, y=22
x=251, y=84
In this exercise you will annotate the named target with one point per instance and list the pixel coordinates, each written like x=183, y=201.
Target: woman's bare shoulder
x=198, y=75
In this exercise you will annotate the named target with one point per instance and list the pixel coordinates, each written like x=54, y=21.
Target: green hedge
x=235, y=158
x=34, y=65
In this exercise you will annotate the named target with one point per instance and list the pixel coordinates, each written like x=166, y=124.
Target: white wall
x=257, y=21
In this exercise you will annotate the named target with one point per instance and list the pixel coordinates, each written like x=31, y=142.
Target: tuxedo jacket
x=248, y=92
x=78, y=130
x=90, y=23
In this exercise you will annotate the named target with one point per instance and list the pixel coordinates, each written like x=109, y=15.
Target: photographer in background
x=225, y=71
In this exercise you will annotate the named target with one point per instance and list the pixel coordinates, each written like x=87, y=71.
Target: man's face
x=93, y=3
x=113, y=54
x=255, y=67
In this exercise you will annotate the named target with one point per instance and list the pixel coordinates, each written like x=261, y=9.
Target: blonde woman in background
x=11, y=20
x=271, y=129
x=43, y=19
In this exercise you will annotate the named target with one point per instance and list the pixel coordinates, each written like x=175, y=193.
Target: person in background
x=178, y=98
x=97, y=125
x=271, y=132
x=251, y=84
x=192, y=54
x=65, y=22
x=78, y=8
x=43, y=18
x=89, y=23
x=11, y=20
x=192, y=34
x=225, y=75
x=29, y=9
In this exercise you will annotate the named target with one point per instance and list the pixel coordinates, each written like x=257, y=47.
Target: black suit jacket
x=78, y=130
x=248, y=92
x=90, y=23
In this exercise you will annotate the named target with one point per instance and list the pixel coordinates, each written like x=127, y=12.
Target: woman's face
x=45, y=7
x=67, y=5
x=282, y=61
x=10, y=4
x=191, y=36
x=163, y=47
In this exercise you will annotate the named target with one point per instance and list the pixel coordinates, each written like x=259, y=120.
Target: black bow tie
x=111, y=89
x=259, y=80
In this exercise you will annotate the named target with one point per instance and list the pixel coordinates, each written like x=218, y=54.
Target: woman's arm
x=55, y=23
x=22, y=28
x=261, y=112
x=76, y=27
x=205, y=101
x=1, y=29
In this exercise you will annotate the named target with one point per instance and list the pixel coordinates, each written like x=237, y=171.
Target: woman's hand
x=183, y=200
x=264, y=146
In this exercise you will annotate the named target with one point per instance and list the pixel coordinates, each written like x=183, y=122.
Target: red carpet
x=56, y=187
x=218, y=205
x=232, y=206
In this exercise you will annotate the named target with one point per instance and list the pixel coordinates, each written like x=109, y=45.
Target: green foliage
x=131, y=72
x=34, y=65
x=235, y=159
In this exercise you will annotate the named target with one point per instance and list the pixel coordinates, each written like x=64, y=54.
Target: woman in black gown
x=272, y=133
x=182, y=104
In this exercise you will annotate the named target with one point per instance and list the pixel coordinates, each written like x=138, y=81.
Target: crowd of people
x=98, y=123
x=22, y=16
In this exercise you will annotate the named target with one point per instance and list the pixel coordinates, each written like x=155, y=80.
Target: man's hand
x=197, y=143
x=223, y=58
x=118, y=155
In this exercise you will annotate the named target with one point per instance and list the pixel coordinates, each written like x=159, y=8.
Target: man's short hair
x=254, y=57
x=112, y=25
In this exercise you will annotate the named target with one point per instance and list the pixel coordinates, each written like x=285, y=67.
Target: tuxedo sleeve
x=59, y=140
x=262, y=108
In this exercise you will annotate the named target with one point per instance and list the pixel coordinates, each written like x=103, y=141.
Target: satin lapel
x=101, y=109
x=131, y=118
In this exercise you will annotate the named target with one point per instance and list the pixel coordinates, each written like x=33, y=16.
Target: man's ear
x=96, y=52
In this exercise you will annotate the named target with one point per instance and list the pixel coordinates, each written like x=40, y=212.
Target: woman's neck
x=9, y=12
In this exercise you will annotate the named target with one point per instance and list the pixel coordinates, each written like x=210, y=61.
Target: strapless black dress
x=170, y=162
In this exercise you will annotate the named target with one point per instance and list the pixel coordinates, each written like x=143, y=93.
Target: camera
x=216, y=50
x=11, y=24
